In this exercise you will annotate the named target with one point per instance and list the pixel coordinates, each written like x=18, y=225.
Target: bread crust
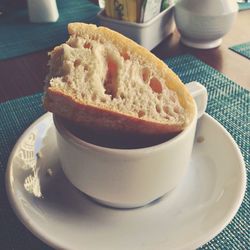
x=66, y=106
x=103, y=119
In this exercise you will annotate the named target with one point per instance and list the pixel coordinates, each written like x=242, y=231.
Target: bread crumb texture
x=97, y=68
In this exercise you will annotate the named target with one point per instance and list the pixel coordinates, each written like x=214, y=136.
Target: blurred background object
x=134, y=10
x=148, y=34
x=101, y=3
x=202, y=24
x=42, y=11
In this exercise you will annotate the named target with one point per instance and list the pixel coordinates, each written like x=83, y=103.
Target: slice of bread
x=101, y=79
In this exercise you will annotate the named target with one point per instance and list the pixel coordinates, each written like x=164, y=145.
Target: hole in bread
x=122, y=95
x=93, y=97
x=110, y=83
x=87, y=45
x=145, y=74
x=77, y=63
x=158, y=108
x=167, y=110
x=155, y=85
x=65, y=79
x=177, y=109
x=85, y=67
x=125, y=55
x=159, y=97
x=141, y=113
x=103, y=99
x=69, y=82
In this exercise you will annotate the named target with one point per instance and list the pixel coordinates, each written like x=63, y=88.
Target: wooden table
x=24, y=75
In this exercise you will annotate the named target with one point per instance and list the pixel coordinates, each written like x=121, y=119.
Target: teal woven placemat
x=228, y=103
x=244, y=6
x=242, y=49
x=20, y=37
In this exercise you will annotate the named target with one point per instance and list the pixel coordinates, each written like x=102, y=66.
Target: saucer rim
x=194, y=244
x=11, y=197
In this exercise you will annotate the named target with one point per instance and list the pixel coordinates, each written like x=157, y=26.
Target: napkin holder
x=148, y=34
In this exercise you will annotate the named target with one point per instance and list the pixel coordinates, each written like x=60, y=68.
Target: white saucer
x=188, y=217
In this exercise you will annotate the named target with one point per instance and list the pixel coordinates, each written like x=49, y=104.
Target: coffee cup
x=128, y=178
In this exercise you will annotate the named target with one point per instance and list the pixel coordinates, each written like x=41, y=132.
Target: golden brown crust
x=90, y=116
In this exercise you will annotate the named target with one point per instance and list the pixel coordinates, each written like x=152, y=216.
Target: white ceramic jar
x=203, y=23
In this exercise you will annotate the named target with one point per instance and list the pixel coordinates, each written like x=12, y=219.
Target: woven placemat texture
x=228, y=103
x=242, y=49
x=20, y=37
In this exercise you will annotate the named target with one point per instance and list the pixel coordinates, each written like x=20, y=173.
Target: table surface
x=25, y=75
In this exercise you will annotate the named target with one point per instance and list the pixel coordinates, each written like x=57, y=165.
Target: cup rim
x=79, y=143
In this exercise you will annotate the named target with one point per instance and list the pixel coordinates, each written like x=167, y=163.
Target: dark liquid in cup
x=113, y=139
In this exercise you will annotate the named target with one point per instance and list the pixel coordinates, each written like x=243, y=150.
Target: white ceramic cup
x=128, y=178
